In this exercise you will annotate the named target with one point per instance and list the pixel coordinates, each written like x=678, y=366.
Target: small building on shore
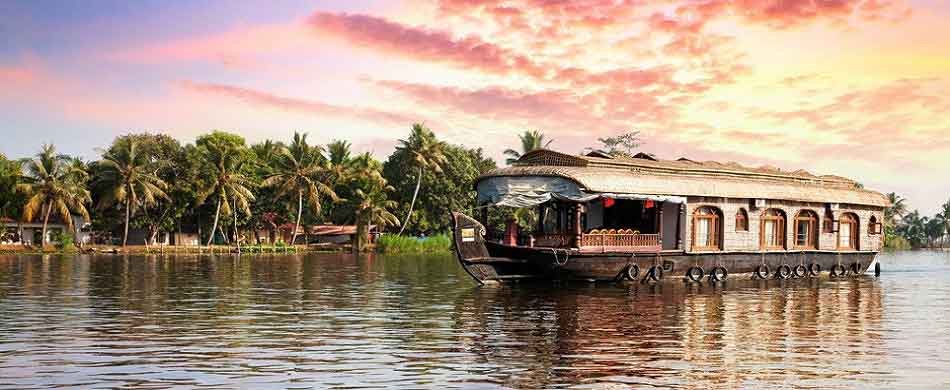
x=29, y=233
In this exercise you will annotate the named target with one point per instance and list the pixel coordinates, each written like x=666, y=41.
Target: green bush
x=64, y=241
x=896, y=242
x=392, y=243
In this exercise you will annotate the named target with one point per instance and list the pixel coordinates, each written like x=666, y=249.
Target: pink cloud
x=238, y=47
x=264, y=99
x=17, y=75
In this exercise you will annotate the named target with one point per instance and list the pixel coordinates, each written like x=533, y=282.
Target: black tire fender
x=695, y=274
x=800, y=271
x=814, y=269
x=718, y=274
x=655, y=273
x=838, y=271
x=632, y=272
x=856, y=268
x=783, y=271
x=762, y=271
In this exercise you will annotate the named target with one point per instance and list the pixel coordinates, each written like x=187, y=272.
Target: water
x=338, y=321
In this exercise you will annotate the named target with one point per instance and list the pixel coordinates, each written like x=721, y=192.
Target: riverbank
x=386, y=244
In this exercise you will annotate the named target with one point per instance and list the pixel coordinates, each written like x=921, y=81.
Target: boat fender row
x=716, y=274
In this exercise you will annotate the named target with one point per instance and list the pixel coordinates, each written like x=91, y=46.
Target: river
x=341, y=321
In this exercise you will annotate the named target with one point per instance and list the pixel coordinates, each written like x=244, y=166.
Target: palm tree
x=530, y=141
x=226, y=183
x=54, y=183
x=945, y=216
x=426, y=153
x=371, y=205
x=897, y=208
x=128, y=176
x=300, y=169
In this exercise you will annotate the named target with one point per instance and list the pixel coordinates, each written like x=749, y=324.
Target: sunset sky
x=853, y=88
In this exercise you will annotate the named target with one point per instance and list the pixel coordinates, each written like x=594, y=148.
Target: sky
x=857, y=88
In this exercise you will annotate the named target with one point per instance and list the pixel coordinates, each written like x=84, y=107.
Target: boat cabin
x=600, y=203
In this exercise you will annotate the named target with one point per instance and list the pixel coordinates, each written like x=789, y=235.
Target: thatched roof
x=690, y=178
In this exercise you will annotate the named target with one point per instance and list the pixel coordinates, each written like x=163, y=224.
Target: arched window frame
x=742, y=220
x=777, y=216
x=714, y=238
x=810, y=241
x=854, y=229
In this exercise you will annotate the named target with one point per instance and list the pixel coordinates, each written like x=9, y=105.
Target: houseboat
x=600, y=217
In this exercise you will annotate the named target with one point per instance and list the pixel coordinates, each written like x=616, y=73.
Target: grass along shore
x=391, y=244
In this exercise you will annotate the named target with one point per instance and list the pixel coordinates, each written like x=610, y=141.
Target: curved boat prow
x=469, y=238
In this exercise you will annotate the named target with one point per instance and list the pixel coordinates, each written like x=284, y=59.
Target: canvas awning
x=528, y=191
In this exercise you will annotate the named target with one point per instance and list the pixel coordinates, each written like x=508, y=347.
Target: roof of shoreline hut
x=684, y=177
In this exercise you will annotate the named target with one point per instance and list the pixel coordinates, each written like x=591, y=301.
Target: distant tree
x=54, y=183
x=369, y=200
x=896, y=208
x=530, y=141
x=301, y=170
x=226, y=181
x=127, y=174
x=425, y=152
x=621, y=145
x=445, y=192
x=10, y=201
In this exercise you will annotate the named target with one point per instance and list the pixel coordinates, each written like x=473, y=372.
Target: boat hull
x=489, y=262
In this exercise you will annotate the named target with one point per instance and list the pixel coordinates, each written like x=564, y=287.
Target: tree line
x=224, y=187
x=910, y=229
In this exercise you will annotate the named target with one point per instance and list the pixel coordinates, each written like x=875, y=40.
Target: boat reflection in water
x=748, y=334
x=326, y=321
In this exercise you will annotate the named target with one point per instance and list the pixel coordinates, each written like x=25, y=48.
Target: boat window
x=848, y=232
x=806, y=230
x=874, y=227
x=706, y=229
x=773, y=229
x=742, y=220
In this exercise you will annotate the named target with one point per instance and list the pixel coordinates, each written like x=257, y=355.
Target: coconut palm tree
x=301, y=170
x=225, y=182
x=530, y=141
x=53, y=183
x=426, y=152
x=896, y=209
x=371, y=204
x=128, y=176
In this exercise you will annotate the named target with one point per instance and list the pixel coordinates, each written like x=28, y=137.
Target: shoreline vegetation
x=148, y=192
x=222, y=192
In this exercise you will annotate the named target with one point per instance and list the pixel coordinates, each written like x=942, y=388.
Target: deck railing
x=611, y=240
x=602, y=240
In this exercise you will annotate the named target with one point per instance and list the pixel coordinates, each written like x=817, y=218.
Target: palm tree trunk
x=217, y=212
x=237, y=237
x=360, y=233
x=49, y=207
x=125, y=234
x=413, y=203
x=293, y=239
